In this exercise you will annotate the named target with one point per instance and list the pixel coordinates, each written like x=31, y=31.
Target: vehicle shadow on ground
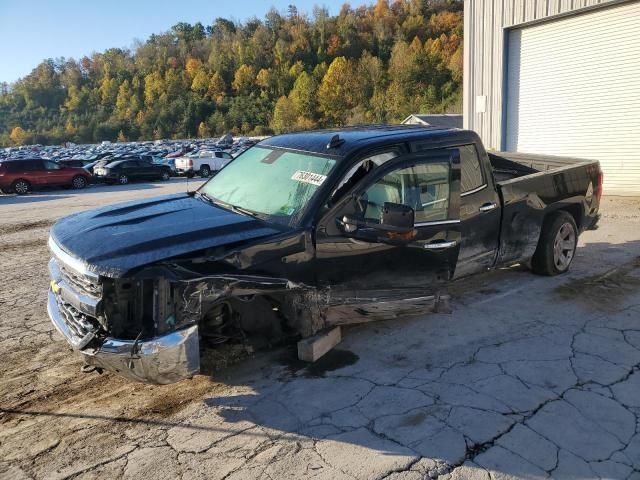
x=31, y=198
x=337, y=400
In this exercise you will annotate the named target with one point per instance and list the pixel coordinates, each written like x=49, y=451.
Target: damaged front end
x=151, y=327
x=161, y=324
x=120, y=338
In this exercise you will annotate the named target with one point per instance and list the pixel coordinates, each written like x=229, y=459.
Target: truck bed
x=510, y=165
x=529, y=185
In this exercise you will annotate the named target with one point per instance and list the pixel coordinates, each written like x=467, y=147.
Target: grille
x=80, y=282
x=81, y=325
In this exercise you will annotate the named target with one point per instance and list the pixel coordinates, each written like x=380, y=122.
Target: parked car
x=169, y=162
x=304, y=232
x=75, y=163
x=123, y=171
x=21, y=176
x=203, y=163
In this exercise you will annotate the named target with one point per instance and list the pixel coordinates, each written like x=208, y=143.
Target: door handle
x=440, y=245
x=487, y=207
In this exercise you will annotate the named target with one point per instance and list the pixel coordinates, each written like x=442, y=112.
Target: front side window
x=269, y=181
x=423, y=187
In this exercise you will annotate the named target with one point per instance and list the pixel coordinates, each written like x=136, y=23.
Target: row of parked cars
x=25, y=169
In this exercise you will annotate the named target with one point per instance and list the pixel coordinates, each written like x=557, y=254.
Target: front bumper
x=161, y=360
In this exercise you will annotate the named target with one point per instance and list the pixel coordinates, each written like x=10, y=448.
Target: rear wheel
x=557, y=245
x=165, y=176
x=21, y=187
x=79, y=182
x=123, y=179
x=205, y=171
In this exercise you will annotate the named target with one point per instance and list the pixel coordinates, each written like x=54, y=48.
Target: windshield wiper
x=205, y=197
x=229, y=206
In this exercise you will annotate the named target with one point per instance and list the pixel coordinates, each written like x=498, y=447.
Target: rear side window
x=28, y=166
x=471, y=172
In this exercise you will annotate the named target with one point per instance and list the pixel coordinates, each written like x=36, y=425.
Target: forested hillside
x=288, y=71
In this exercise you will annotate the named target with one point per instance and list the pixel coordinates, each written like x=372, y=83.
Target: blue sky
x=32, y=30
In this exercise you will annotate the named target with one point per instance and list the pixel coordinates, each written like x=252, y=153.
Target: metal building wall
x=484, y=39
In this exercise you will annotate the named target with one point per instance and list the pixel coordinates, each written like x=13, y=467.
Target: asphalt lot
x=529, y=377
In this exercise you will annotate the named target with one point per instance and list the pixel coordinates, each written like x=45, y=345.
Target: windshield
x=271, y=182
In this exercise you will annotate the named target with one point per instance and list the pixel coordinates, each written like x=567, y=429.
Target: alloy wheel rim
x=564, y=246
x=124, y=180
x=78, y=182
x=21, y=187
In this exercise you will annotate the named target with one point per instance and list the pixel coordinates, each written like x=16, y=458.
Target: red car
x=21, y=175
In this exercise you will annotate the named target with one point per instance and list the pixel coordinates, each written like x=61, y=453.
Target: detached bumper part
x=160, y=360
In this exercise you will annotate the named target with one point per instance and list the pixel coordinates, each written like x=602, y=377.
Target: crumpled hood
x=115, y=239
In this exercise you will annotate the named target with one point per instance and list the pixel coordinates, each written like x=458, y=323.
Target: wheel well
x=19, y=179
x=205, y=165
x=575, y=211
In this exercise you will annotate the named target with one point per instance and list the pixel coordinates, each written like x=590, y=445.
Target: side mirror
x=397, y=217
x=394, y=218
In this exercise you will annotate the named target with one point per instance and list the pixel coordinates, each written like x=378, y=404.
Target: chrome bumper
x=162, y=360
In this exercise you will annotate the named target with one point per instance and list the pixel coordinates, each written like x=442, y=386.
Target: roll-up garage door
x=573, y=88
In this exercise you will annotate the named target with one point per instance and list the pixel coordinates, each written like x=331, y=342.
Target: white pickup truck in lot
x=203, y=163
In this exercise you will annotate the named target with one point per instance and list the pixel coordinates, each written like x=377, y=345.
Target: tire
x=78, y=182
x=557, y=245
x=123, y=179
x=21, y=187
x=205, y=171
x=165, y=176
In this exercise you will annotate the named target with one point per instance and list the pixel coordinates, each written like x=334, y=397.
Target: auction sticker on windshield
x=309, y=177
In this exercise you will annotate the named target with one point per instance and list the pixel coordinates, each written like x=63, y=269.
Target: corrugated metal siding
x=484, y=52
x=574, y=89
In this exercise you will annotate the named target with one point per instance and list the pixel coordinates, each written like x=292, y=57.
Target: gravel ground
x=529, y=377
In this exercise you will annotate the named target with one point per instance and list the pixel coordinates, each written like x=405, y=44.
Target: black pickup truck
x=303, y=232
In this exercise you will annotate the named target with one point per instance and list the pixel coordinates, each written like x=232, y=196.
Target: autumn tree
x=284, y=116
x=337, y=91
x=243, y=80
x=18, y=136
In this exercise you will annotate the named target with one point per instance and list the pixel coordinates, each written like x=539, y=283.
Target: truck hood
x=113, y=240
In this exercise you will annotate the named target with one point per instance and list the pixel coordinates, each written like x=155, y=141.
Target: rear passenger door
x=479, y=215
x=32, y=171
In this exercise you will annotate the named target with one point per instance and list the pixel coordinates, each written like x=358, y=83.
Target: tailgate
x=183, y=163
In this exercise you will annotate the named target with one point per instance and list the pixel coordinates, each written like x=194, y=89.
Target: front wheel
x=21, y=187
x=557, y=245
x=165, y=176
x=79, y=182
x=123, y=179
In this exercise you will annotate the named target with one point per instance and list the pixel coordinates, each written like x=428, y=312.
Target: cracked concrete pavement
x=529, y=377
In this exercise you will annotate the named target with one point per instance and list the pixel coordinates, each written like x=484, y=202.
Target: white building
x=559, y=77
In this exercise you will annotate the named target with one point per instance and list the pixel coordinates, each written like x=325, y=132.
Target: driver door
x=371, y=263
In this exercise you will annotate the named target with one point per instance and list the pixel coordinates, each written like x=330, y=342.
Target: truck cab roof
x=353, y=139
